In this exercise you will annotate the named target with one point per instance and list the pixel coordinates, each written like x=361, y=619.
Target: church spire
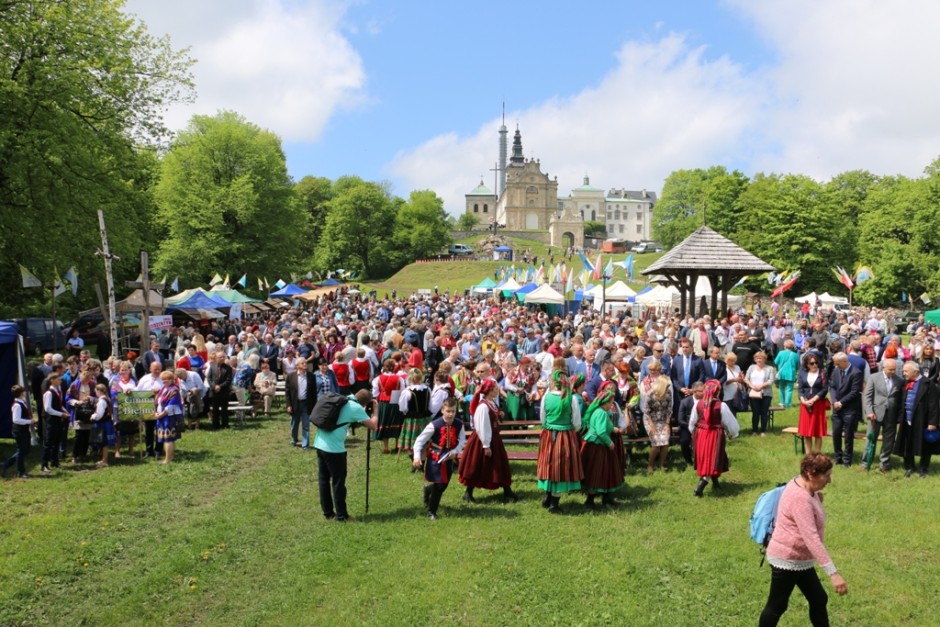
x=517, y=157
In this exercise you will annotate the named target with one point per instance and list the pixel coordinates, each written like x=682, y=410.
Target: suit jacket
x=910, y=438
x=696, y=371
x=847, y=389
x=574, y=367
x=819, y=388
x=720, y=374
x=876, y=399
x=219, y=375
x=291, y=391
x=271, y=352
x=594, y=385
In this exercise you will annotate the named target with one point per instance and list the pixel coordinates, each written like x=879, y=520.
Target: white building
x=628, y=214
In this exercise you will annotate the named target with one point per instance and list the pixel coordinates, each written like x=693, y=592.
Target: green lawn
x=231, y=534
x=456, y=276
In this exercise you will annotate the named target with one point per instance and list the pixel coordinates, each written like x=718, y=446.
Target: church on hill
x=527, y=200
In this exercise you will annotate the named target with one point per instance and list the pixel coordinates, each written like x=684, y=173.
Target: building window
x=639, y=229
x=610, y=228
x=617, y=215
x=593, y=215
x=485, y=208
x=476, y=208
x=621, y=229
x=532, y=189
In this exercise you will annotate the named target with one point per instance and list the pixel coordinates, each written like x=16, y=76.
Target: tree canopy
x=82, y=88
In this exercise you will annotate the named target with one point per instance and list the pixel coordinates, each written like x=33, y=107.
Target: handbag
x=84, y=412
x=752, y=393
x=97, y=435
x=740, y=401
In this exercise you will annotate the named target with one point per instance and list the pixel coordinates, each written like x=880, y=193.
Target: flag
x=627, y=265
x=309, y=274
x=843, y=277
x=280, y=284
x=924, y=297
x=903, y=296
x=862, y=274
x=260, y=284
x=740, y=282
x=176, y=284
x=569, y=287
x=226, y=282
x=587, y=264
x=584, y=278
x=243, y=281
x=267, y=285
x=787, y=285
x=771, y=277
x=57, y=286
x=540, y=275
x=71, y=275
x=29, y=279
x=216, y=279
x=293, y=277
x=609, y=268
x=597, y=267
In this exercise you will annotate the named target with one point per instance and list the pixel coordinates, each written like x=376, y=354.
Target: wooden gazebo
x=705, y=253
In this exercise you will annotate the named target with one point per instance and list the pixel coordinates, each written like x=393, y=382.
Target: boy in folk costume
x=603, y=467
x=708, y=423
x=485, y=463
x=559, y=466
x=444, y=438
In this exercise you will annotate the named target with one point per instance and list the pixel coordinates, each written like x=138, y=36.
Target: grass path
x=232, y=534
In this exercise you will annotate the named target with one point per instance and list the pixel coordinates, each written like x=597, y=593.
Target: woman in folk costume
x=484, y=463
x=521, y=386
x=387, y=389
x=603, y=467
x=578, y=383
x=169, y=412
x=415, y=405
x=559, y=466
x=708, y=423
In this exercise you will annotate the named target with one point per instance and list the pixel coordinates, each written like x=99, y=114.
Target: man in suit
x=919, y=412
x=271, y=352
x=715, y=367
x=153, y=355
x=219, y=377
x=687, y=368
x=592, y=369
x=576, y=363
x=845, y=391
x=608, y=370
x=882, y=402
x=702, y=339
x=301, y=392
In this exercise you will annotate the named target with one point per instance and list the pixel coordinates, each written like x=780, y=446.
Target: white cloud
x=852, y=84
x=665, y=106
x=284, y=66
x=856, y=85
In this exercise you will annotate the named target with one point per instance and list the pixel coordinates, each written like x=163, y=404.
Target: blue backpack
x=764, y=516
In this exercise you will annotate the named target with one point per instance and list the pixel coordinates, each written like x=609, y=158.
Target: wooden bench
x=527, y=456
x=798, y=439
x=770, y=415
x=240, y=411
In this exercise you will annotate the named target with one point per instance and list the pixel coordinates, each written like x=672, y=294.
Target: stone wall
x=539, y=236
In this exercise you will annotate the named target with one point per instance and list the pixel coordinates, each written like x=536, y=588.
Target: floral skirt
x=410, y=431
x=167, y=429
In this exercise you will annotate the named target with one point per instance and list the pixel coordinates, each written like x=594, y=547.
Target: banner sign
x=134, y=405
x=161, y=323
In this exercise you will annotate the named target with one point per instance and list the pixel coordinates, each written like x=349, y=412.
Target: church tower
x=503, y=137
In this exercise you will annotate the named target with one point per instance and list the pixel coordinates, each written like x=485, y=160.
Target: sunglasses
x=811, y=363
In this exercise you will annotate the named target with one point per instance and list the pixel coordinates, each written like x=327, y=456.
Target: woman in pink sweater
x=797, y=545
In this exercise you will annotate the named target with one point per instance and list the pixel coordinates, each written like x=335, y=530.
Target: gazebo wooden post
x=713, y=281
x=693, y=282
x=726, y=282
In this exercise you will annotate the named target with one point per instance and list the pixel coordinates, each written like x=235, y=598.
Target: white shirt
x=301, y=386
x=17, y=412
x=728, y=421
x=149, y=383
x=47, y=405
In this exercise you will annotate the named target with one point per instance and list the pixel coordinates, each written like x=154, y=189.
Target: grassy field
x=231, y=534
x=460, y=275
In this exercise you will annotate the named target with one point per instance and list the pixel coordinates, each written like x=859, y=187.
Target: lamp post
x=604, y=279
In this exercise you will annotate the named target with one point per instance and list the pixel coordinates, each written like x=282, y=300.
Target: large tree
x=693, y=197
x=359, y=228
x=82, y=89
x=226, y=203
x=421, y=227
x=314, y=194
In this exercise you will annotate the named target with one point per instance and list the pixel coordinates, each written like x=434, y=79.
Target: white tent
x=827, y=299
x=619, y=291
x=809, y=298
x=509, y=286
x=664, y=297
x=659, y=296
x=544, y=295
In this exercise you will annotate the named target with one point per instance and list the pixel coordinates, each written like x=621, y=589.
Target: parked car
x=41, y=335
x=459, y=250
x=647, y=247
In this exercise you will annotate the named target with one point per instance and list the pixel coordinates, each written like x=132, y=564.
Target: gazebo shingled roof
x=706, y=253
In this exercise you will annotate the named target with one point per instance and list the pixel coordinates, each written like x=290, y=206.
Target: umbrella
x=872, y=442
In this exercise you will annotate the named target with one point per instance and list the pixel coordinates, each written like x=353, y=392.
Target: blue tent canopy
x=502, y=249
x=287, y=291
x=525, y=289
x=330, y=282
x=579, y=295
x=201, y=301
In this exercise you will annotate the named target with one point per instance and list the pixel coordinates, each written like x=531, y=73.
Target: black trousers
x=23, y=444
x=924, y=458
x=150, y=437
x=685, y=444
x=434, y=493
x=844, y=426
x=760, y=413
x=782, y=583
x=80, y=443
x=50, y=448
x=332, y=481
x=219, y=405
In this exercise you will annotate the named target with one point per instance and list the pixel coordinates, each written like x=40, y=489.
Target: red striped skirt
x=479, y=471
x=603, y=470
x=559, y=457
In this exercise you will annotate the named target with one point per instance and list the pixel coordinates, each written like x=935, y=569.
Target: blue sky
x=627, y=92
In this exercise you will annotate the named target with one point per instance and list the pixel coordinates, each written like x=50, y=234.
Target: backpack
x=764, y=516
x=326, y=412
